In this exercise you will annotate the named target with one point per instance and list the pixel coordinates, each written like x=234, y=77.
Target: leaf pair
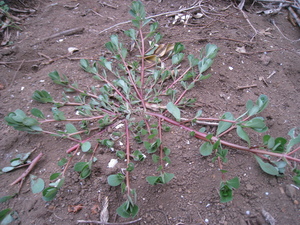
x=226, y=189
x=162, y=179
x=19, y=121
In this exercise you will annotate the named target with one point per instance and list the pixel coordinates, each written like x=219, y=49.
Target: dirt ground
x=270, y=64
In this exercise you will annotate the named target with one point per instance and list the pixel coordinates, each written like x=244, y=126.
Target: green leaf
x=155, y=158
x=267, y=167
x=103, y=61
x=42, y=97
x=78, y=167
x=153, y=180
x=55, y=77
x=234, y=183
x=115, y=179
x=130, y=167
x=174, y=110
x=86, y=172
x=70, y=128
x=49, y=193
x=192, y=60
x=225, y=193
x=121, y=154
x=36, y=112
x=223, y=126
x=279, y=145
x=177, y=58
x=4, y=213
x=256, y=124
x=37, y=184
x=62, y=162
x=242, y=134
x=166, y=151
x=6, y=198
x=58, y=115
x=204, y=64
x=211, y=51
x=292, y=142
x=167, y=177
x=178, y=47
x=206, y=149
x=86, y=146
x=53, y=176
x=7, y=169
x=131, y=33
x=127, y=209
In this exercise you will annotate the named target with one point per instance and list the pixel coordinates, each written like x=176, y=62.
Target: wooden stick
x=69, y=32
x=247, y=86
x=27, y=171
x=16, y=73
x=294, y=15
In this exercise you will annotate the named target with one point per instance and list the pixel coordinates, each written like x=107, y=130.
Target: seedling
x=142, y=97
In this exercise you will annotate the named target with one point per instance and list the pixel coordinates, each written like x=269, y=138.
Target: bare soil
x=270, y=64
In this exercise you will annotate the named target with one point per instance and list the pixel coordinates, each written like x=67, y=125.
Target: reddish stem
x=171, y=85
x=160, y=147
x=202, y=136
x=27, y=171
x=127, y=156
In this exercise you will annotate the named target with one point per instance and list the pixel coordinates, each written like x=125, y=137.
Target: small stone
x=265, y=60
x=249, y=187
x=290, y=191
x=160, y=207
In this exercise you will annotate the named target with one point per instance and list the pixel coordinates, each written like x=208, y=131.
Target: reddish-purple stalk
x=116, y=89
x=178, y=79
x=27, y=171
x=160, y=147
x=97, y=134
x=55, y=134
x=133, y=83
x=202, y=136
x=143, y=61
x=295, y=150
x=127, y=156
x=70, y=159
x=231, y=128
x=221, y=168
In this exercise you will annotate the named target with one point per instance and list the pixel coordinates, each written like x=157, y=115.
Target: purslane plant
x=142, y=94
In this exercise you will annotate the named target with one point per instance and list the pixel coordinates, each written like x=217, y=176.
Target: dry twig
x=150, y=17
x=11, y=83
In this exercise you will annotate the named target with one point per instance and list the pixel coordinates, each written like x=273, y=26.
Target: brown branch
x=69, y=32
x=11, y=83
x=27, y=171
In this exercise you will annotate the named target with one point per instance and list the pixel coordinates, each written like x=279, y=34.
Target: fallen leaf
x=95, y=209
x=75, y=208
x=240, y=49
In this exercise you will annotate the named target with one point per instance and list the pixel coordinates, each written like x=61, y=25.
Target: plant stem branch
x=160, y=147
x=27, y=171
x=127, y=156
x=70, y=159
x=202, y=136
x=179, y=78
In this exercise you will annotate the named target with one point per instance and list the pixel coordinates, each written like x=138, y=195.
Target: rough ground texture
x=271, y=64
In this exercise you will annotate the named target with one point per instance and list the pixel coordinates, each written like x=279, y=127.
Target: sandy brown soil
x=270, y=64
